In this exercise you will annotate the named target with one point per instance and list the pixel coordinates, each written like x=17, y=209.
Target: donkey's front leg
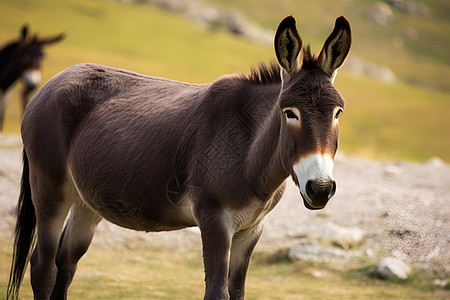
x=241, y=252
x=216, y=232
x=3, y=101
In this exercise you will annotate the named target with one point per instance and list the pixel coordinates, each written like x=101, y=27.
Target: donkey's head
x=24, y=57
x=310, y=107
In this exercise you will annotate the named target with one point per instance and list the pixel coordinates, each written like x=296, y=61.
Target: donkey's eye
x=290, y=114
x=338, y=113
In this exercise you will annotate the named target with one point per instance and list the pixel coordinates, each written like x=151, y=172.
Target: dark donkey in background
x=22, y=59
x=153, y=154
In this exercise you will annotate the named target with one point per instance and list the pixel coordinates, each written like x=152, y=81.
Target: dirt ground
x=403, y=209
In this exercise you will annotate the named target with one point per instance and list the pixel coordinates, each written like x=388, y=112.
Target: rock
x=410, y=7
x=370, y=253
x=238, y=24
x=393, y=268
x=392, y=170
x=370, y=69
x=435, y=162
x=344, y=237
x=317, y=274
x=310, y=250
x=382, y=14
x=399, y=254
x=412, y=33
x=213, y=17
x=440, y=283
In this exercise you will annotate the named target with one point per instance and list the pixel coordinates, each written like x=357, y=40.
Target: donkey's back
x=96, y=91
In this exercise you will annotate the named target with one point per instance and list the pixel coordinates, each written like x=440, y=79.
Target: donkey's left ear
x=336, y=48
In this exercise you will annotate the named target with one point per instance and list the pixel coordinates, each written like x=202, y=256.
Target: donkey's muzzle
x=31, y=78
x=319, y=192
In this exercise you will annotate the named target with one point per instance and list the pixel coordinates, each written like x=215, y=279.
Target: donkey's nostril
x=310, y=189
x=333, y=189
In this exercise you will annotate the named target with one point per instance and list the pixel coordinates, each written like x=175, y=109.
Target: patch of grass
x=390, y=121
x=144, y=271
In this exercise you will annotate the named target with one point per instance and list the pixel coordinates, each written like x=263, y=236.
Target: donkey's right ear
x=288, y=48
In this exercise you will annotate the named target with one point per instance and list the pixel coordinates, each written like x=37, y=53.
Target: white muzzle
x=315, y=178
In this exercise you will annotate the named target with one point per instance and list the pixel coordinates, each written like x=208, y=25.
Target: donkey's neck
x=9, y=72
x=9, y=75
x=264, y=166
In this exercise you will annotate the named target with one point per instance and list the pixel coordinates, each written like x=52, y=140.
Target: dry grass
x=146, y=272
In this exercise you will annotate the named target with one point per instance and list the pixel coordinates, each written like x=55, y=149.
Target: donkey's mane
x=264, y=74
x=309, y=59
x=269, y=74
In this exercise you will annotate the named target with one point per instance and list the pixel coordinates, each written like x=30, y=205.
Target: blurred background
x=396, y=81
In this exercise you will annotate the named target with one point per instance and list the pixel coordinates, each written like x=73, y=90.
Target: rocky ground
x=399, y=209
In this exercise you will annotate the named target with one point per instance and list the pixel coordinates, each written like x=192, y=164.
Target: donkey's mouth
x=308, y=205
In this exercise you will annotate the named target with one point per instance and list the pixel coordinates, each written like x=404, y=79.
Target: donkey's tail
x=24, y=235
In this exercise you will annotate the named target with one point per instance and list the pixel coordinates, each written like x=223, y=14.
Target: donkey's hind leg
x=51, y=207
x=74, y=243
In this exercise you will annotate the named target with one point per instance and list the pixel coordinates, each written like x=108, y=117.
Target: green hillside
x=415, y=44
x=406, y=120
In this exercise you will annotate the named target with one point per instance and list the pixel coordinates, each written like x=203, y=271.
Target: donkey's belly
x=143, y=208
x=142, y=215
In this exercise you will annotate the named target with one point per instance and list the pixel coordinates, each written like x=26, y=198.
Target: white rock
x=382, y=14
x=391, y=267
x=392, y=170
x=370, y=253
x=368, y=68
x=343, y=236
x=435, y=162
x=310, y=250
x=440, y=283
x=410, y=7
x=398, y=254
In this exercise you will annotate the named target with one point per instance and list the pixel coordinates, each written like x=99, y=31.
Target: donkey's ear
x=51, y=39
x=336, y=47
x=24, y=32
x=288, y=47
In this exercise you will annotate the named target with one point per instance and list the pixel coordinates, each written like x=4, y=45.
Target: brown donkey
x=153, y=154
x=22, y=59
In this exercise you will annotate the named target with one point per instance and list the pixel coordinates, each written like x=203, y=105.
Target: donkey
x=22, y=59
x=153, y=154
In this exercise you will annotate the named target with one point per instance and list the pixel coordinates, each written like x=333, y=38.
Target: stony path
x=402, y=208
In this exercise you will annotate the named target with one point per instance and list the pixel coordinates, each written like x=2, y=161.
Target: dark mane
x=264, y=74
x=309, y=59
